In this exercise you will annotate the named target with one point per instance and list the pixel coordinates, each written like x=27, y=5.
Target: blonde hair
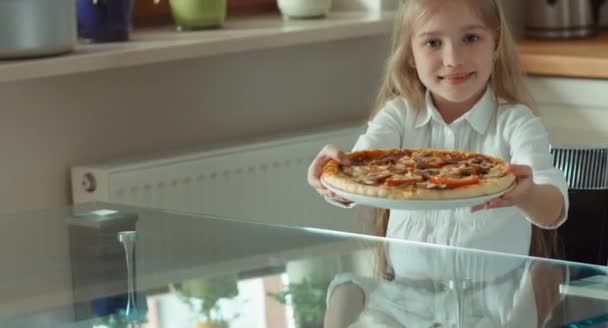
x=401, y=79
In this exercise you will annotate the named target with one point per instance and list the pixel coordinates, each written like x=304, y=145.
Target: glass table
x=103, y=265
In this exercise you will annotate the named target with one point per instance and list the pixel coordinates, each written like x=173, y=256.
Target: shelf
x=582, y=58
x=165, y=44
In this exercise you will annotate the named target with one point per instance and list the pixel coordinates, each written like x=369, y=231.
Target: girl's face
x=453, y=54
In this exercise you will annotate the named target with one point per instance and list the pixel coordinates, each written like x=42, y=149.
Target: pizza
x=419, y=174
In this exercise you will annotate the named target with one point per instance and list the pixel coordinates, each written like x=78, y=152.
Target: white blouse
x=506, y=131
x=510, y=132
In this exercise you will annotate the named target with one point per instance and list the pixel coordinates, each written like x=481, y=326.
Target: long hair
x=401, y=80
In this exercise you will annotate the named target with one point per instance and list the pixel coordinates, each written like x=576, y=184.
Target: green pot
x=198, y=14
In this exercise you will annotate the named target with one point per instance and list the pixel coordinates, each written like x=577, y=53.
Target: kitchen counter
x=582, y=58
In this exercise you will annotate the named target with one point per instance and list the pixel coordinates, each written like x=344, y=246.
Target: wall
x=574, y=111
x=49, y=125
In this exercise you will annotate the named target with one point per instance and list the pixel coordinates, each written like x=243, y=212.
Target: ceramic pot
x=304, y=8
x=198, y=14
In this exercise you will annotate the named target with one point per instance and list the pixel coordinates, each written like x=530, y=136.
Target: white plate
x=413, y=204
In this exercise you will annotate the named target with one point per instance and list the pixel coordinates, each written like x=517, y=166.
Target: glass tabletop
x=103, y=265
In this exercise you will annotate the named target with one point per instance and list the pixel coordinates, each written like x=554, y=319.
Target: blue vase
x=104, y=20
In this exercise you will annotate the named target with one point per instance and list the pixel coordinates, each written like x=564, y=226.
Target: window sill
x=157, y=45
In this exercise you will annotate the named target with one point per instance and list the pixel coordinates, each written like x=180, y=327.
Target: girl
x=453, y=81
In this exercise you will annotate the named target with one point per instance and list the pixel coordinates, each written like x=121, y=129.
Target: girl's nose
x=453, y=56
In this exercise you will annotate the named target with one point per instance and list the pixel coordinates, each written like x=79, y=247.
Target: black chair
x=585, y=233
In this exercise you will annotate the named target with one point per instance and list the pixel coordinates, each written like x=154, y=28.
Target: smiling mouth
x=456, y=78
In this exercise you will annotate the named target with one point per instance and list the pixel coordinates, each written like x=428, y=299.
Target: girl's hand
x=315, y=169
x=524, y=184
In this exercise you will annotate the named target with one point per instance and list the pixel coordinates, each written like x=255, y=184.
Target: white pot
x=304, y=8
x=32, y=28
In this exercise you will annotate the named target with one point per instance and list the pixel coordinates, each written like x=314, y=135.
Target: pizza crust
x=333, y=176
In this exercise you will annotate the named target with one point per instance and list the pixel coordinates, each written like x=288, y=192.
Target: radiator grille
x=262, y=181
x=584, y=168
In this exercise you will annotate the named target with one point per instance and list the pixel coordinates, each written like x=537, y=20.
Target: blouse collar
x=478, y=117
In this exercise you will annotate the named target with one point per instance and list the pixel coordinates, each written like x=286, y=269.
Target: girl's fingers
x=514, y=193
x=493, y=203
x=520, y=171
x=341, y=200
x=313, y=177
x=330, y=194
x=315, y=169
x=477, y=208
x=338, y=198
x=331, y=152
x=342, y=158
x=523, y=174
x=498, y=203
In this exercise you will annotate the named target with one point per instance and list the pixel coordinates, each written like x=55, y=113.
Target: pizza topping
x=357, y=161
x=400, y=168
x=430, y=186
x=429, y=162
x=387, y=160
x=428, y=173
x=373, y=178
x=431, y=170
x=451, y=171
x=408, y=161
x=459, y=171
x=477, y=169
x=470, y=170
x=452, y=182
x=355, y=171
x=476, y=159
x=495, y=172
x=422, y=154
x=402, y=180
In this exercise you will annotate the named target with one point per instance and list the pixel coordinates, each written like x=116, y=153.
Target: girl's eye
x=471, y=38
x=433, y=43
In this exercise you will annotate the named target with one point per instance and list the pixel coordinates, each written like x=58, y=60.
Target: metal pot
x=33, y=28
x=560, y=18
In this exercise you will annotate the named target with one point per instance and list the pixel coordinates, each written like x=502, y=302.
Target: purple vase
x=104, y=20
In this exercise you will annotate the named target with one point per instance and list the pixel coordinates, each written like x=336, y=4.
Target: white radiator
x=264, y=182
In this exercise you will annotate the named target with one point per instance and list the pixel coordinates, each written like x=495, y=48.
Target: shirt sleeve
x=529, y=145
x=385, y=130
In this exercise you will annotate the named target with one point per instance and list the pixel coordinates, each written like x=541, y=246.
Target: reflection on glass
x=203, y=296
x=307, y=299
x=131, y=311
x=193, y=272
